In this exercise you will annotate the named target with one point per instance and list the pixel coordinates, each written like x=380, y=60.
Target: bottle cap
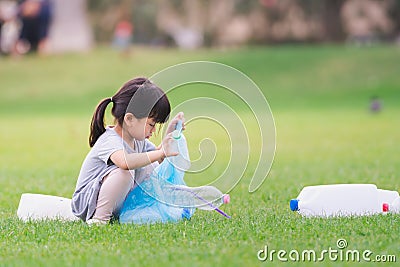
x=226, y=198
x=385, y=207
x=294, y=204
x=176, y=134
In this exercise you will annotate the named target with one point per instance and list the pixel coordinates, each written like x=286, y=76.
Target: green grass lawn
x=325, y=134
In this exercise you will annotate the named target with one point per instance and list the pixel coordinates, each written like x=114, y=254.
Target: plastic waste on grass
x=44, y=207
x=202, y=197
x=164, y=197
x=387, y=196
x=342, y=200
x=392, y=207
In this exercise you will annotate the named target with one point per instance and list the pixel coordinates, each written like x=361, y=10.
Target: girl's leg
x=116, y=185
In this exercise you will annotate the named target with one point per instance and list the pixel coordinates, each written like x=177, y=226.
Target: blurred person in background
x=1, y=26
x=123, y=34
x=9, y=26
x=35, y=16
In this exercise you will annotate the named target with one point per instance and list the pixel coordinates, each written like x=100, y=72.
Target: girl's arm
x=136, y=160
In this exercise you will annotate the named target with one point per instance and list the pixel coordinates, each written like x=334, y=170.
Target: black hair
x=138, y=96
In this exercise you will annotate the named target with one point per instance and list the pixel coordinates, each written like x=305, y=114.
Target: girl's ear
x=129, y=119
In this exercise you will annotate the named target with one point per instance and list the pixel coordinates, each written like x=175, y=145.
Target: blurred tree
x=70, y=29
x=105, y=14
x=332, y=20
x=234, y=22
x=394, y=12
x=144, y=18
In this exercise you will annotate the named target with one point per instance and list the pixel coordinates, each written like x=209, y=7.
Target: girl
x=105, y=178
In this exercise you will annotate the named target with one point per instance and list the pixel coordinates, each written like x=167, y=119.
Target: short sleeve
x=149, y=146
x=107, y=146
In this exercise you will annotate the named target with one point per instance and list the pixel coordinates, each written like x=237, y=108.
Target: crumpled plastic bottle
x=182, y=160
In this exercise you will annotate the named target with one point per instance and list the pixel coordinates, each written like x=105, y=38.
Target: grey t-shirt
x=96, y=166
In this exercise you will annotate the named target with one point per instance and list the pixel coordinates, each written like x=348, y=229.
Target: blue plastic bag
x=150, y=201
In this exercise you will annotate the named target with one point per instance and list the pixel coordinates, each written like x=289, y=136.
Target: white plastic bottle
x=182, y=160
x=44, y=207
x=387, y=196
x=339, y=200
x=202, y=197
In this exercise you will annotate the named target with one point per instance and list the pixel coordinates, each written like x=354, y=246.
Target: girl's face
x=150, y=127
x=140, y=129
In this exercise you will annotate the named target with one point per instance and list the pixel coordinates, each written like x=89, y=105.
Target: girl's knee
x=124, y=176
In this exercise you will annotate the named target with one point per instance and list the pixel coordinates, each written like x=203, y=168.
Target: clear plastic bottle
x=182, y=160
x=202, y=197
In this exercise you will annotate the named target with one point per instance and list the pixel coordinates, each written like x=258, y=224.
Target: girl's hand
x=167, y=146
x=174, y=121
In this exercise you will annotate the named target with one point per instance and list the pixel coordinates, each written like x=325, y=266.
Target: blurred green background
x=320, y=98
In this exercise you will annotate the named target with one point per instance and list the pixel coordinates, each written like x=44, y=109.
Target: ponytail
x=149, y=101
x=97, y=125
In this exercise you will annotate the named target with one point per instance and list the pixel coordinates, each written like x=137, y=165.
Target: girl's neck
x=124, y=135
